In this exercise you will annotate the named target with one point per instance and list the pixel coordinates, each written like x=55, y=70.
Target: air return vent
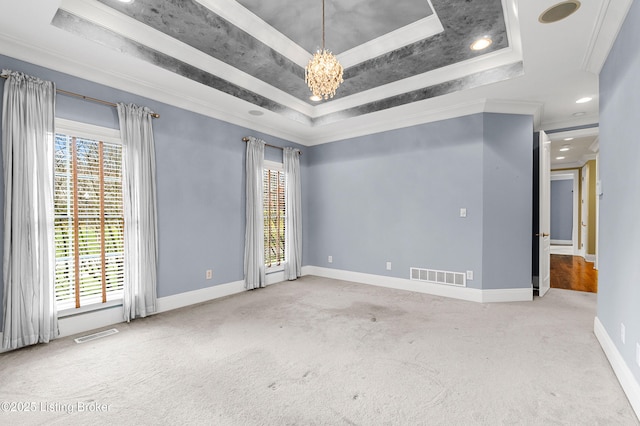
x=94, y=336
x=458, y=279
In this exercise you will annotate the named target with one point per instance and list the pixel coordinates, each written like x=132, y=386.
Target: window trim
x=88, y=131
x=98, y=133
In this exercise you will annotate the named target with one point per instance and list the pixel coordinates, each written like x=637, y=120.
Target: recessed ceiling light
x=560, y=158
x=256, y=112
x=315, y=98
x=568, y=139
x=564, y=149
x=125, y=1
x=559, y=11
x=481, y=43
x=579, y=114
x=584, y=100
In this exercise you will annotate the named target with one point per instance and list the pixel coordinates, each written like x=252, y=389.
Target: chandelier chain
x=322, y=24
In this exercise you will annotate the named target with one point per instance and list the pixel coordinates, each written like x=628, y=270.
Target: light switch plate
x=463, y=212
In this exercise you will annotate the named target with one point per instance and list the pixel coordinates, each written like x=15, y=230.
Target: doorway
x=574, y=233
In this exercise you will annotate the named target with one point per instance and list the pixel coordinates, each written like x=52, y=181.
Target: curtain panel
x=28, y=132
x=293, y=226
x=254, y=272
x=140, y=214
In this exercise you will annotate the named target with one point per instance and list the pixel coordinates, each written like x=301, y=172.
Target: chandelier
x=323, y=74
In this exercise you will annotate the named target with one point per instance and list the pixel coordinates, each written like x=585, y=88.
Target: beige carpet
x=326, y=352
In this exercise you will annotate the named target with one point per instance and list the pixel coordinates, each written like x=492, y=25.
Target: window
x=274, y=214
x=88, y=218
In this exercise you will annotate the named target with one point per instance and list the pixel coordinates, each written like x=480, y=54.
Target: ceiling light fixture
x=584, y=100
x=564, y=149
x=125, y=1
x=568, y=139
x=559, y=11
x=560, y=158
x=315, y=98
x=323, y=74
x=579, y=114
x=481, y=43
x=256, y=112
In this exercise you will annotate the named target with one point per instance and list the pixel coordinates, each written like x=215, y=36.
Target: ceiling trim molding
x=412, y=33
x=80, y=69
x=604, y=34
x=250, y=23
x=407, y=116
x=565, y=166
x=576, y=133
x=572, y=122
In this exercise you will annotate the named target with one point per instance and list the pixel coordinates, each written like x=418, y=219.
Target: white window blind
x=89, y=221
x=274, y=214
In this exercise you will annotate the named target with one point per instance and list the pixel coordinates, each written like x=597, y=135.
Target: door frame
x=574, y=175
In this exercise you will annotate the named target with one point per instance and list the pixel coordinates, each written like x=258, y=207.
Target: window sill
x=274, y=269
x=89, y=308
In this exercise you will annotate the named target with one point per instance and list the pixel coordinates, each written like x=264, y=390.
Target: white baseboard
x=181, y=300
x=507, y=295
x=627, y=380
x=462, y=293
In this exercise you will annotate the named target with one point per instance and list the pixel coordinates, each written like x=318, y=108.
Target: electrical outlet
x=209, y=274
x=330, y=259
x=388, y=266
x=463, y=212
x=623, y=334
x=470, y=275
x=638, y=354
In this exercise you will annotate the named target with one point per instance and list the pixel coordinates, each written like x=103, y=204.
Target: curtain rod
x=87, y=98
x=246, y=139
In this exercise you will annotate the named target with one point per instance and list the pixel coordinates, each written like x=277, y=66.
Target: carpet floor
x=326, y=352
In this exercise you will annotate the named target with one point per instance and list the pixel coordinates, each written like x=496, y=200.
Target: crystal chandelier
x=323, y=74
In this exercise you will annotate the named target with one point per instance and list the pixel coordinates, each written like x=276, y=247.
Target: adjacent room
x=323, y=212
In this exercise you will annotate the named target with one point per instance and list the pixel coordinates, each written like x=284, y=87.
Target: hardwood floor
x=573, y=273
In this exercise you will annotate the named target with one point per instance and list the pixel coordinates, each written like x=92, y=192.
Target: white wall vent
x=458, y=279
x=95, y=336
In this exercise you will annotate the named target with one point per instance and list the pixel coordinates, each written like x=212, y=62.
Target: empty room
x=321, y=212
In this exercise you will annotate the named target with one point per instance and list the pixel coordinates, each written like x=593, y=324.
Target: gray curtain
x=254, y=274
x=29, y=261
x=293, y=224
x=140, y=217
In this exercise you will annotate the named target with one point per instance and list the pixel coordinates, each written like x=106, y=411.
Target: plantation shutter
x=274, y=217
x=89, y=221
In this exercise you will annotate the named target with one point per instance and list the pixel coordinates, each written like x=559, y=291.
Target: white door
x=584, y=203
x=544, y=228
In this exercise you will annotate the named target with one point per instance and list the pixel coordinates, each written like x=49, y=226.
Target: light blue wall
x=562, y=209
x=396, y=196
x=200, y=181
x=507, y=202
x=619, y=245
